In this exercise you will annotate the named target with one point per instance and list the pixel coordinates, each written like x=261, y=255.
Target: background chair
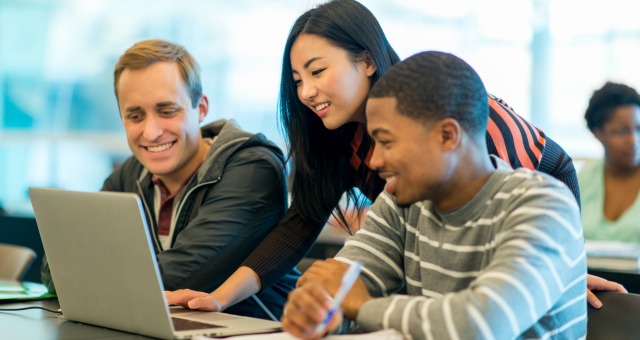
x=15, y=261
x=619, y=317
x=23, y=231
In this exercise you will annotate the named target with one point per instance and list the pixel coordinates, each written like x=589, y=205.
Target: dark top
x=509, y=137
x=228, y=207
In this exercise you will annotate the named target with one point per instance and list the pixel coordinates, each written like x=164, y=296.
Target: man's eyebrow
x=133, y=109
x=166, y=104
x=378, y=131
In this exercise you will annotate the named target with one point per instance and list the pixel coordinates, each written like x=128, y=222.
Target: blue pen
x=347, y=281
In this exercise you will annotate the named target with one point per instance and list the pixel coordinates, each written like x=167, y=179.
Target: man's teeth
x=159, y=148
x=391, y=178
x=322, y=106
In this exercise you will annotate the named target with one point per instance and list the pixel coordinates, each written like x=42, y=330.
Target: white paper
x=387, y=334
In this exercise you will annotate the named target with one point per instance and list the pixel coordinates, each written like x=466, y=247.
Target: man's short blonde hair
x=147, y=52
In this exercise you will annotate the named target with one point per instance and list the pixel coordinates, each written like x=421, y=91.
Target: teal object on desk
x=19, y=291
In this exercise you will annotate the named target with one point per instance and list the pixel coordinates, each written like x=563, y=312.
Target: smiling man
x=484, y=251
x=211, y=193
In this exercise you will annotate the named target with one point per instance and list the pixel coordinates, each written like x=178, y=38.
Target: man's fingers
x=306, y=308
x=311, y=301
x=289, y=326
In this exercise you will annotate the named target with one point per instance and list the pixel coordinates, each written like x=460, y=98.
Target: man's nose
x=152, y=128
x=376, y=162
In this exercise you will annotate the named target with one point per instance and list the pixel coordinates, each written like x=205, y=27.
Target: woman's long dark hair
x=322, y=171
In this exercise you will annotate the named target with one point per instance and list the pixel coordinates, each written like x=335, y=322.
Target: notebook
x=613, y=255
x=12, y=290
x=104, y=268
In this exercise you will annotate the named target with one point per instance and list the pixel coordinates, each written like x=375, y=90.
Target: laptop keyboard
x=180, y=324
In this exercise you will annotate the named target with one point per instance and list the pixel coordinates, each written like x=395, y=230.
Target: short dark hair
x=146, y=52
x=431, y=86
x=605, y=100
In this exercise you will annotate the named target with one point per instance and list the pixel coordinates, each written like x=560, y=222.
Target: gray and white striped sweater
x=508, y=264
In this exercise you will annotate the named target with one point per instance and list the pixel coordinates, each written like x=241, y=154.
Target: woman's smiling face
x=329, y=81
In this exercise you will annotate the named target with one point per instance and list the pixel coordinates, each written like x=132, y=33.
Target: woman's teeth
x=322, y=106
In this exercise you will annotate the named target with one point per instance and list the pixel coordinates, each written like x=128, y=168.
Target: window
x=59, y=124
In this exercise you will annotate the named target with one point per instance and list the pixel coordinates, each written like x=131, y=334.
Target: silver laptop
x=105, y=271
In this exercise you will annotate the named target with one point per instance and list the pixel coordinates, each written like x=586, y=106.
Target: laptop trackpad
x=203, y=316
x=180, y=324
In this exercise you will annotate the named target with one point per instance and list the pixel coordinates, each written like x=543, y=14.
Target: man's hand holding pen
x=306, y=311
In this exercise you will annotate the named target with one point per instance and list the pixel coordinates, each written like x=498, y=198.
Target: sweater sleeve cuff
x=371, y=315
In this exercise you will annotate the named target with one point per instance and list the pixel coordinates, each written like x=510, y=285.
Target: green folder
x=23, y=290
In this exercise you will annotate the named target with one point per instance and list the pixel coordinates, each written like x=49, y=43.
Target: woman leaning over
x=333, y=54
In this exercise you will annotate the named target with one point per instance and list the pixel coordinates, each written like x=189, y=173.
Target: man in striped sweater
x=484, y=251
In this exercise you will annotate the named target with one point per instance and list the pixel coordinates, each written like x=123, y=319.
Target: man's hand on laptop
x=192, y=299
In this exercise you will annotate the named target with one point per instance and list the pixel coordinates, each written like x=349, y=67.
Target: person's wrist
x=218, y=300
x=352, y=309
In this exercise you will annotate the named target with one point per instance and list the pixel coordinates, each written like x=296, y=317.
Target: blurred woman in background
x=609, y=187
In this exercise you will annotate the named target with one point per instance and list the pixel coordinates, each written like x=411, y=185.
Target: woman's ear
x=369, y=65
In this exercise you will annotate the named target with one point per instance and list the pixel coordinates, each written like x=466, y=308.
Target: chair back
x=15, y=261
x=619, y=317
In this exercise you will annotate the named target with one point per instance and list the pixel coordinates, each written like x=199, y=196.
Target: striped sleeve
x=512, y=138
x=522, y=145
x=533, y=285
x=379, y=244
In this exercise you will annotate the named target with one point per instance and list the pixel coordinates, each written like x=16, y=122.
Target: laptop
x=101, y=258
